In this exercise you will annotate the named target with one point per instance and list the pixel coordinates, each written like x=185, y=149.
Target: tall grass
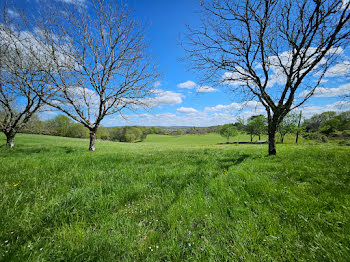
x=173, y=199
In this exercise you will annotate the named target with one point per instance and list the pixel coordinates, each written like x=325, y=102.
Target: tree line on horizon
x=318, y=127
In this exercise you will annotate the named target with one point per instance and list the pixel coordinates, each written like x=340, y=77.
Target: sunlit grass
x=173, y=199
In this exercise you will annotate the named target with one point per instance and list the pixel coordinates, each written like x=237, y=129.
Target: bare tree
x=21, y=78
x=277, y=52
x=99, y=63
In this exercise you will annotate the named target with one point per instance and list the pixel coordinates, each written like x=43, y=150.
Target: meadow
x=173, y=198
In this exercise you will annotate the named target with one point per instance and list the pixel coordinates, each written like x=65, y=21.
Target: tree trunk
x=10, y=138
x=92, y=140
x=297, y=136
x=259, y=137
x=251, y=139
x=282, y=139
x=272, y=138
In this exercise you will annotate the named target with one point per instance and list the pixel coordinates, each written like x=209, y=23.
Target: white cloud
x=12, y=13
x=200, y=89
x=275, y=64
x=26, y=47
x=329, y=92
x=77, y=2
x=234, y=106
x=157, y=84
x=186, y=110
x=236, y=78
x=164, y=98
x=170, y=119
x=230, y=107
x=206, y=89
x=188, y=84
x=339, y=69
x=193, y=117
x=338, y=106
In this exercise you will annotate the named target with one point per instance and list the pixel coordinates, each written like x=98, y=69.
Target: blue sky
x=181, y=100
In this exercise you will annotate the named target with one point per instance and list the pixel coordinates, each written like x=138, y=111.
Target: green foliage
x=288, y=125
x=34, y=126
x=102, y=133
x=260, y=123
x=153, y=130
x=239, y=124
x=61, y=125
x=344, y=143
x=328, y=123
x=179, y=132
x=173, y=198
x=316, y=136
x=313, y=124
x=129, y=134
x=330, y=126
x=256, y=126
x=78, y=130
x=228, y=131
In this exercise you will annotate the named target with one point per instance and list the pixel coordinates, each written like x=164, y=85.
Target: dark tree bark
x=272, y=143
x=92, y=140
x=10, y=139
x=297, y=135
x=272, y=138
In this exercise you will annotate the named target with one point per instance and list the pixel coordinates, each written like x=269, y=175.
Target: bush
x=77, y=130
x=102, y=133
x=129, y=134
x=341, y=134
x=344, y=143
x=228, y=130
x=316, y=137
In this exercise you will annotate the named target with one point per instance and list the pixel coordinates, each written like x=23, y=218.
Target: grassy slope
x=173, y=198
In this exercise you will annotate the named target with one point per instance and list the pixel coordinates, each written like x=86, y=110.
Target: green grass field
x=169, y=198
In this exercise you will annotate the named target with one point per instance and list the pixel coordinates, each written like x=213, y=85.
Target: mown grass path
x=173, y=199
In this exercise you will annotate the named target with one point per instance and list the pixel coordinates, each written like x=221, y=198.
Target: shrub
x=344, y=143
x=129, y=134
x=316, y=137
x=228, y=130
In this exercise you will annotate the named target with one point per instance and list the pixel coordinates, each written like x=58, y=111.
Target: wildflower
x=16, y=184
x=41, y=249
x=189, y=244
x=157, y=246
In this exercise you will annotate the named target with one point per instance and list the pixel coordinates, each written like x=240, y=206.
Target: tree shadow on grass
x=229, y=161
x=26, y=150
x=37, y=150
